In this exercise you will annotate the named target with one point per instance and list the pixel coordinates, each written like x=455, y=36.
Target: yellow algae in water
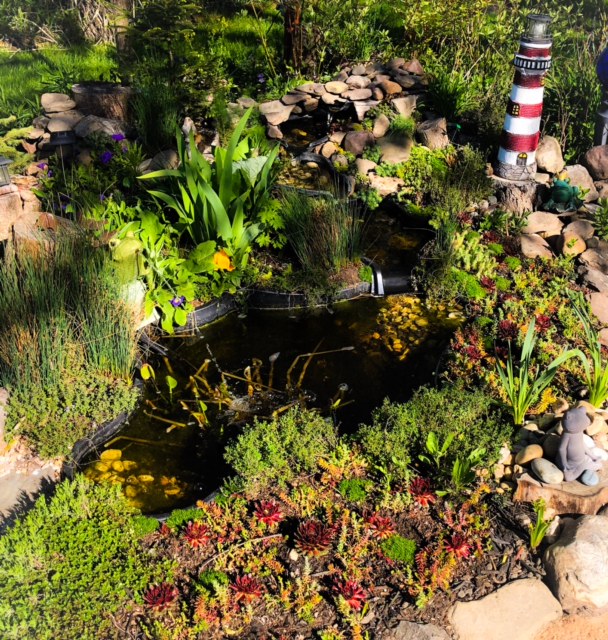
x=110, y=455
x=118, y=466
x=102, y=467
x=145, y=478
x=132, y=480
x=130, y=491
x=403, y=242
x=174, y=491
x=129, y=465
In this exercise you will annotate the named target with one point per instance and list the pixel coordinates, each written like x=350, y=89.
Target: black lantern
x=63, y=143
x=5, y=176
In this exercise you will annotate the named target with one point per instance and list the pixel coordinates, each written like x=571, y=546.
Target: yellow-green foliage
x=473, y=256
x=9, y=144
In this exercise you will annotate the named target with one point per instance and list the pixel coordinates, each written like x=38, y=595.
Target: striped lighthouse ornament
x=521, y=130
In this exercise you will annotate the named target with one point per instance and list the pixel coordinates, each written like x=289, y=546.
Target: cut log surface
x=566, y=497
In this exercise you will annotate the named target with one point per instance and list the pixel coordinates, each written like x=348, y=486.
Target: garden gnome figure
x=572, y=457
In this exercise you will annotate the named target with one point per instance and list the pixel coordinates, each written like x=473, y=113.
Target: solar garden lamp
x=5, y=176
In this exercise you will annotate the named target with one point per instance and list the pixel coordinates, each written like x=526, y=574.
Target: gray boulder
x=596, y=160
x=577, y=564
x=549, y=156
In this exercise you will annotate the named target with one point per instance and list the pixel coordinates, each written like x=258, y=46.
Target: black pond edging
x=263, y=300
x=95, y=442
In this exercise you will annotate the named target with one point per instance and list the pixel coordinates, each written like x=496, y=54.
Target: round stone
x=546, y=471
x=529, y=453
x=589, y=478
x=336, y=87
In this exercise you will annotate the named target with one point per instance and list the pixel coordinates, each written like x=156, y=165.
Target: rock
x=389, y=87
x=273, y=132
x=582, y=228
x=363, y=106
x=405, y=105
x=602, y=189
x=54, y=102
x=338, y=137
x=385, y=186
x=357, y=141
x=377, y=93
x=10, y=210
x=293, y=97
x=29, y=201
x=549, y=156
x=599, y=306
x=533, y=246
x=364, y=166
x=515, y=196
x=310, y=104
x=328, y=149
x=331, y=99
x=341, y=77
x=542, y=178
x=336, y=87
x=358, y=94
x=604, y=337
x=571, y=244
x=276, y=112
x=517, y=611
x=413, y=631
x=246, y=103
x=167, y=159
x=358, y=70
x=529, y=453
x=589, y=478
x=94, y=124
x=40, y=122
x=544, y=224
x=598, y=425
x=35, y=134
x=395, y=150
x=577, y=564
x=413, y=66
x=405, y=80
x=65, y=121
x=433, y=133
x=546, y=471
x=339, y=160
x=596, y=258
x=396, y=63
x=596, y=160
x=358, y=82
x=579, y=177
x=381, y=126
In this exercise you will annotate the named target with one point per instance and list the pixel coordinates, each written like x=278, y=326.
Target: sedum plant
x=521, y=385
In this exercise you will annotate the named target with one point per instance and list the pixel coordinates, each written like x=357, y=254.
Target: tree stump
x=103, y=99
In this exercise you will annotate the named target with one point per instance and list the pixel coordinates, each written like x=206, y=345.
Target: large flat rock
x=517, y=611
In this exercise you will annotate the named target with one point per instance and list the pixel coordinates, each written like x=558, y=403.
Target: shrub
x=399, y=549
x=278, y=450
x=354, y=489
x=69, y=564
x=398, y=432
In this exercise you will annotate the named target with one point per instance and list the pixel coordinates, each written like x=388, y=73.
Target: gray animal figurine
x=572, y=457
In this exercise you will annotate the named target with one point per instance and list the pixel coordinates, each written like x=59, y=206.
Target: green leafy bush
x=398, y=432
x=399, y=549
x=69, y=564
x=277, y=450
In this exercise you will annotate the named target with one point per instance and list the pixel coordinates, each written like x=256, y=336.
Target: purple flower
x=102, y=197
x=106, y=157
x=261, y=78
x=49, y=174
x=178, y=301
x=43, y=165
x=125, y=148
x=118, y=137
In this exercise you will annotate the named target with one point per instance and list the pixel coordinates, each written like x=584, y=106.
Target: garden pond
x=344, y=360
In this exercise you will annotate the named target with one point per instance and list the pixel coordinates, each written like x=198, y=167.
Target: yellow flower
x=221, y=260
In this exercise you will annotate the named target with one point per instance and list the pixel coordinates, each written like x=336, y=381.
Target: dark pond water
x=162, y=464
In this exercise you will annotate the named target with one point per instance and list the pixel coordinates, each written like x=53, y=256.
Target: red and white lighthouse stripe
x=521, y=130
